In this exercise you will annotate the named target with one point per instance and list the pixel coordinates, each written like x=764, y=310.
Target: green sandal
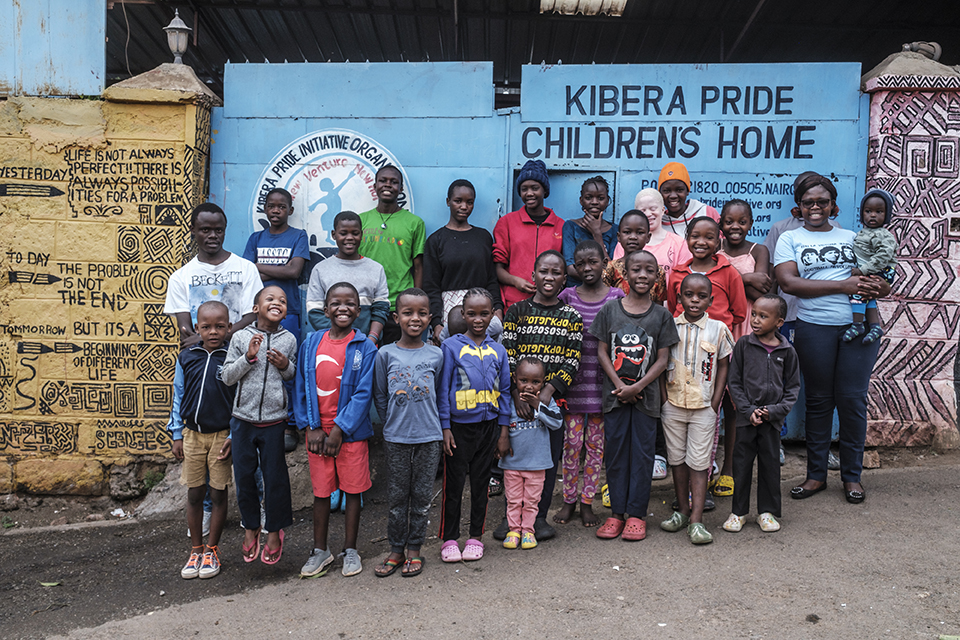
x=675, y=522
x=699, y=534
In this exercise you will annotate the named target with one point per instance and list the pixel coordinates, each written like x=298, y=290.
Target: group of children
x=637, y=349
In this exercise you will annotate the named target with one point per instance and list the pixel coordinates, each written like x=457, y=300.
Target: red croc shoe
x=610, y=529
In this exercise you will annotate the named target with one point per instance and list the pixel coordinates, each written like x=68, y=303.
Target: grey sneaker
x=317, y=564
x=351, y=563
x=833, y=462
x=783, y=457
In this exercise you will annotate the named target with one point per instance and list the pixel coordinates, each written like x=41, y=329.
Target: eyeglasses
x=810, y=204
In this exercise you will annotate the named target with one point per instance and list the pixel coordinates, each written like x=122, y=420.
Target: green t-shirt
x=394, y=247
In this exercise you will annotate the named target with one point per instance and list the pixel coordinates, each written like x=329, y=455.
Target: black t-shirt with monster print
x=634, y=340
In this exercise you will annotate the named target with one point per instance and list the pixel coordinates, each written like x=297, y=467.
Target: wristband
x=249, y=361
x=376, y=338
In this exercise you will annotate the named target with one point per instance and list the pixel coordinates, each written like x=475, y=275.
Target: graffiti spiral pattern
x=148, y=284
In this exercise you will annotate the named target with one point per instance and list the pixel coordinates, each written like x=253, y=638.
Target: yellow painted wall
x=95, y=199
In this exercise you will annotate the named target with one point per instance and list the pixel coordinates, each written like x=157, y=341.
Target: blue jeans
x=836, y=376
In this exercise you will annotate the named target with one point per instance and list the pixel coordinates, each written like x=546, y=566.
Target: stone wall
x=95, y=198
x=914, y=153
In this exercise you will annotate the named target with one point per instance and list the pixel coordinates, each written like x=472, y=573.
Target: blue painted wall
x=52, y=47
x=743, y=131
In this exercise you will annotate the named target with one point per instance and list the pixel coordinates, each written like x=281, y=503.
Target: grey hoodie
x=261, y=397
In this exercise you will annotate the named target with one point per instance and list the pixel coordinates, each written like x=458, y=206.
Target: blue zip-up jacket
x=201, y=400
x=475, y=385
x=356, y=387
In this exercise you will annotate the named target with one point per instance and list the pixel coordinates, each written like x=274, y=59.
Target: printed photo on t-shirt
x=816, y=257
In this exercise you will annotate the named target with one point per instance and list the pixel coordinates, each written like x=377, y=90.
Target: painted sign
x=326, y=172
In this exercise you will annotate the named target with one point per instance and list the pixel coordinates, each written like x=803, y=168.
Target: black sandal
x=799, y=493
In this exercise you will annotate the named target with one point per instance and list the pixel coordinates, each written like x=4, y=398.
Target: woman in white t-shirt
x=811, y=263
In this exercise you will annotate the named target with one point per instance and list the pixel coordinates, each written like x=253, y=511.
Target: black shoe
x=709, y=504
x=799, y=493
x=290, y=441
x=500, y=533
x=542, y=529
x=854, y=496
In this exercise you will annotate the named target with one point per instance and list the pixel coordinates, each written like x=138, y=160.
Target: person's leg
x=219, y=517
x=729, y=435
x=513, y=490
x=425, y=457
x=817, y=350
x=454, y=477
x=488, y=433
x=674, y=427
x=616, y=457
x=351, y=520
x=593, y=442
x=550, y=478
x=573, y=432
x=276, y=484
x=399, y=470
x=699, y=443
x=643, y=436
x=321, y=522
x=855, y=362
x=743, y=456
x=768, y=469
x=195, y=500
x=245, y=462
x=532, y=487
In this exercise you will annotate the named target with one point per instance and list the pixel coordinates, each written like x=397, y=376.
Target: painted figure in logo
x=629, y=351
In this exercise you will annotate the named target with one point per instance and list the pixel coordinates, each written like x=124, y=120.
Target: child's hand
x=315, y=438
x=437, y=330
x=226, y=449
x=449, y=444
x=254, y=347
x=628, y=394
x=757, y=417
x=532, y=399
x=190, y=340
x=277, y=359
x=177, y=449
x=856, y=272
x=525, y=285
x=331, y=446
x=759, y=281
x=524, y=410
x=504, y=449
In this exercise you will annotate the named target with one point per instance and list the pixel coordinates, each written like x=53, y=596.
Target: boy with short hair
x=332, y=401
x=395, y=238
x=279, y=253
x=260, y=358
x=764, y=383
x=347, y=265
x=204, y=447
x=405, y=391
x=214, y=274
x=695, y=380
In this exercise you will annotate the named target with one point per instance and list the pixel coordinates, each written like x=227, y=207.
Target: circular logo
x=326, y=172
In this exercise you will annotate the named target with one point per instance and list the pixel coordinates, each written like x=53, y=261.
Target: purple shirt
x=583, y=396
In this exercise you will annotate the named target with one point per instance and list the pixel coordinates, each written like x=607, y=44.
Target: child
x=279, y=252
x=205, y=447
x=394, y=237
x=764, y=382
x=594, y=200
x=522, y=235
x=694, y=386
x=583, y=420
x=474, y=403
x=261, y=356
x=669, y=249
x=633, y=234
x=332, y=401
x=347, y=265
x=546, y=327
x=634, y=336
x=524, y=452
x=729, y=299
x=752, y=261
x=729, y=304
x=214, y=274
x=674, y=186
x=405, y=391
x=876, y=252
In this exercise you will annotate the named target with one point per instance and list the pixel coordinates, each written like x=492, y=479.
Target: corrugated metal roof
x=514, y=33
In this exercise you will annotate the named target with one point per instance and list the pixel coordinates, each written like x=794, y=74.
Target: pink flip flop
x=450, y=551
x=268, y=552
x=246, y=550
x=472, y=550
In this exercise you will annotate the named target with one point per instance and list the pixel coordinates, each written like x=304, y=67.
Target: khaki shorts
x=689, y=435
x=200, y=451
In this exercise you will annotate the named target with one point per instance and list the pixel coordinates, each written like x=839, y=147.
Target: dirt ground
x=884, y=569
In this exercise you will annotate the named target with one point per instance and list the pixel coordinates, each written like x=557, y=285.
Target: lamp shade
x=177, y=37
